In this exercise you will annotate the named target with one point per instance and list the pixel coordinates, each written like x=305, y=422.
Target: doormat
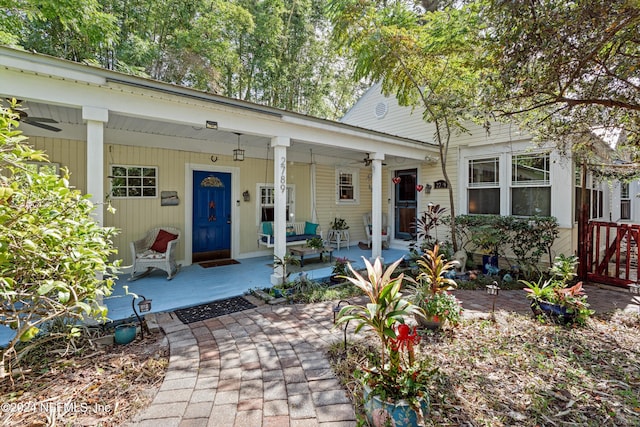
x=218, y=263
x=213, y=309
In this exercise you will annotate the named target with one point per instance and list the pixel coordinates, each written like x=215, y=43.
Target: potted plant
x=283, y=262
x=555, y=298
x=339, y=224
x=488, y=239
x=395, y=381
x=431, y=291
x=340, y=269
x=315, y=243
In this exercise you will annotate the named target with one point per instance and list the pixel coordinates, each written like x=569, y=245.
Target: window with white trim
x=595, y=197
x=267, y=199
x=347, y=188
x=483, y=189
x=531, y=184
x=134, y=181
x=625, y=201
x=44, y=167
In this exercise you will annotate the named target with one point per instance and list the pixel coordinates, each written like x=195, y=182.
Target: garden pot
x=399, y=414
x=335, y=279
x=125, y=333
x=555, y=312
x=430, y=323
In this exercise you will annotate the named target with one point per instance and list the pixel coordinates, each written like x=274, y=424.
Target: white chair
x=145, y=259
x=386, y=231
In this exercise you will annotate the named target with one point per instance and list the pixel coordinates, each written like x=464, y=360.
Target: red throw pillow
x=162, y=240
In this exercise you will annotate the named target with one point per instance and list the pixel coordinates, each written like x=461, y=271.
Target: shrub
x=53, y=255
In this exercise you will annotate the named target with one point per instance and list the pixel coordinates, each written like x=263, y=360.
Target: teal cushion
x=291, y=230
x=267, y=228
x=310, y=228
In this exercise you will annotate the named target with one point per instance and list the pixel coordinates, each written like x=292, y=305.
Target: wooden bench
x=297, y=236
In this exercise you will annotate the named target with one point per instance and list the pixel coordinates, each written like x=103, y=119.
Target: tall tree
x=424, y=58
x=565, y=67
x=77, y=30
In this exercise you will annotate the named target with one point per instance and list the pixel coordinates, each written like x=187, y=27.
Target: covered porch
x=195, y=285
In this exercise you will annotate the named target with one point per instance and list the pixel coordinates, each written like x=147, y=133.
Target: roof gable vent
x=381, y=110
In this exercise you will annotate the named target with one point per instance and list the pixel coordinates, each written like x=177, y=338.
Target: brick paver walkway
x=260, y=367
x=267, y=366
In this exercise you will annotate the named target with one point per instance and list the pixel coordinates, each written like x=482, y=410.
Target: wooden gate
x=612, y=253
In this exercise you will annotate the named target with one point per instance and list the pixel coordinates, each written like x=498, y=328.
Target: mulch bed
x=519, y=371
x=104, y=387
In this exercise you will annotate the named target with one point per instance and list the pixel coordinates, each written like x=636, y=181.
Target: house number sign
x=440, y=184
x=283, y=174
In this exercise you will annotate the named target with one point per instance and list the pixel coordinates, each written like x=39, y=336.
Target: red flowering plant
x=394, y=374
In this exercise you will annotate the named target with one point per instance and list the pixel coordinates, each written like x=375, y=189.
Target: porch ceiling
x=192, y=138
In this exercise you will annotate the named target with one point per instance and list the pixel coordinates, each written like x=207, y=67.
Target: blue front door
x=211, y=215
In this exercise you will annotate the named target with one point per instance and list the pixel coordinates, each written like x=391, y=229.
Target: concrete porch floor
x=195, y=285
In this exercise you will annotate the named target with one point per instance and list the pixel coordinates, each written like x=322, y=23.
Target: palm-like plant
x=434, y=266
x=386, y=306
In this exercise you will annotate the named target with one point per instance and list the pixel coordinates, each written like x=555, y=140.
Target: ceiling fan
x=23, y=117
x=367, y=161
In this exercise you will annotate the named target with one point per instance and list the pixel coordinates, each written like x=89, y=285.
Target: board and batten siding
x=134, y=216
x=328, y=208
x=68, y=153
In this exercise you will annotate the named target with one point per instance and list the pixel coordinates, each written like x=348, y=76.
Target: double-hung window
x=625, y=201
x=267, y=202
x=484, y=186
x=347, y=190
x=530, y=185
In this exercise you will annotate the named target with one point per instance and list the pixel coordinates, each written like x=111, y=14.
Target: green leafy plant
x=556, y=291
x=339, y=224
x=340, y=267
x=394, y=374
x=283, y=263
x=315, y=242
x=430, y=292
x=54, y=257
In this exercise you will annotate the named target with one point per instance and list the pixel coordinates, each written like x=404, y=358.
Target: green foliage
x=273, y=52
x=556, y=290
x=426, y=59
x=77, y=30
x=340, y=267
x=53, y=255
x=430, y=291
x=283, y=263
x=315, y=242
x=527, y=238
x=565, y=67
x=339, y=224
x=386, y=307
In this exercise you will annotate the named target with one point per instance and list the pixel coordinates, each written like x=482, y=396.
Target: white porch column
x=279, y=144
x=376, y=205
x=95, y=118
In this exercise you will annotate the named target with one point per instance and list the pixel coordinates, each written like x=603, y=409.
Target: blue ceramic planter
x=399, y=414
x=125, y=333
x=555, y=312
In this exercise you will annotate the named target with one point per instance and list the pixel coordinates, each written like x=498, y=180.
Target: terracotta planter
x=399, y=414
